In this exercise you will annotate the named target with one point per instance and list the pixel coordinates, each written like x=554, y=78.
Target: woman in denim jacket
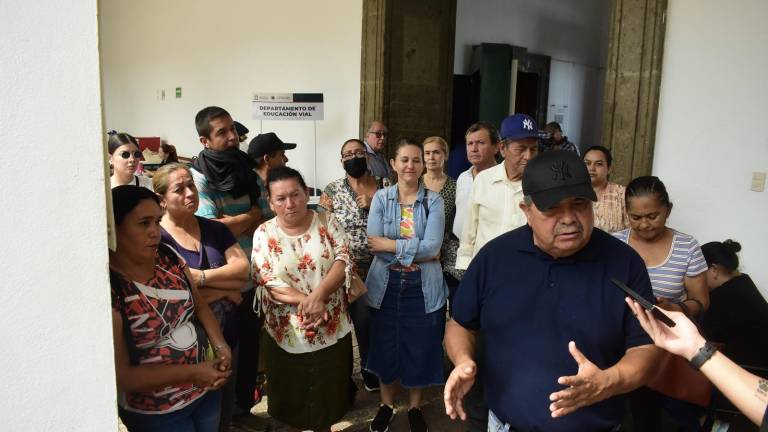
x=406, y=289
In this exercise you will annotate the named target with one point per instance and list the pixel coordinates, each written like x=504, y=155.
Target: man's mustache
x=569, y=228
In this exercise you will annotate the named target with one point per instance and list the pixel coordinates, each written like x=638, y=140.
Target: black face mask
x=356, y=167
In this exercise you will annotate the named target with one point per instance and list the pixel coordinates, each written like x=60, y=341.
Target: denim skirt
x=406, y=343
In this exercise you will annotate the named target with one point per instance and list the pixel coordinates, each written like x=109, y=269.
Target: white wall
x=711, y=128
x=55, y=320
x=221, y=57
x=573, y=33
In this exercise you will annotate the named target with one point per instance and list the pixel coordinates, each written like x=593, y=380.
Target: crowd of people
x=227, y=285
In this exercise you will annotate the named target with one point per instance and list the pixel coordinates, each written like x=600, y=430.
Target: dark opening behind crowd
x=227, y=286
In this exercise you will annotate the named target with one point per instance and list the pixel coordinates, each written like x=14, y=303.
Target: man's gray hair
x=527, y=200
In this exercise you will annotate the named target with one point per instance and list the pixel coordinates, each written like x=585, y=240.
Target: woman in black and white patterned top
x=349, y=198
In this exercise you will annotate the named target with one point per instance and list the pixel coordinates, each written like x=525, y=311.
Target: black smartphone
x=661, y=316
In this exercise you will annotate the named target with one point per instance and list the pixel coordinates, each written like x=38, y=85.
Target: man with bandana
x=229, y=192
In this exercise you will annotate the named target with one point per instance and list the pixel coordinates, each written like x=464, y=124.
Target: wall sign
x=288, y=106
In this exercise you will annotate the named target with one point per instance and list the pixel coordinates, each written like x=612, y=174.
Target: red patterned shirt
x=158, y=327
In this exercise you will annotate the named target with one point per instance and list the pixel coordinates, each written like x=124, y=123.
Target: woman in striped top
x=674, y=259
x=678, y=276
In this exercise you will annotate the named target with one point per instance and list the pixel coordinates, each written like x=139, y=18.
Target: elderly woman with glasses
x=124, y=157
x=349, y=198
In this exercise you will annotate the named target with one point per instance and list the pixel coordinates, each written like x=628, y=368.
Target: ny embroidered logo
x=560, y=171
x=528, y=124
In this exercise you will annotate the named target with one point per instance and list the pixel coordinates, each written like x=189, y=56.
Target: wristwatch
x=704, y=354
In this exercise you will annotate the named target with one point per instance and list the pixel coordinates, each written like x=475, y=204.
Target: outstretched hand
x=456, y=387
x=590, y=385
x=683, y=339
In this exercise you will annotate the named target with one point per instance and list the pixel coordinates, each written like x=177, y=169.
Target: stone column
x=407, y=67
x=632, y=79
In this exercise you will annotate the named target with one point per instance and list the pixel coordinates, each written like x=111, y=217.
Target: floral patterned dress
x=609, y=209
x=339, y=198
x=300, y=262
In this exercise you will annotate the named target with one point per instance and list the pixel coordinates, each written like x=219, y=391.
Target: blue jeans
x=201, y=415
x=495, y=425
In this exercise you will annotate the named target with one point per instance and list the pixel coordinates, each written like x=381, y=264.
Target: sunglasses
x=126, y=154
x=378, y=134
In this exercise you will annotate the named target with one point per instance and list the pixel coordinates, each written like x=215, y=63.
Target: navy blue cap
x=519, y=126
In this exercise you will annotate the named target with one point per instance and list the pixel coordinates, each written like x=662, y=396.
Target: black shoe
x=416, y=420
x=370, y=381
x=383, y=418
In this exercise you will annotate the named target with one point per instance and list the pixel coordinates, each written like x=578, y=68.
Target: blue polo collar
x=587, y=253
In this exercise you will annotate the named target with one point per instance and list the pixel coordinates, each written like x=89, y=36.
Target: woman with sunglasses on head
x=170, y=356
x=124, y=158
x=349, y=198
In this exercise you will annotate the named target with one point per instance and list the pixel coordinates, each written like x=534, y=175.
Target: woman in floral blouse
x=299, y=263
x=349, y=198
x=610, y=211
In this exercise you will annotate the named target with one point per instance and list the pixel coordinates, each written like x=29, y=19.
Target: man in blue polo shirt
x=560, y=343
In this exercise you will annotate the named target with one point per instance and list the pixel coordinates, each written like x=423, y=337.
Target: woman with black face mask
x=349, y=198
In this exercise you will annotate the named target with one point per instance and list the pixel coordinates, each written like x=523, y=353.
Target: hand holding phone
x=657, y=313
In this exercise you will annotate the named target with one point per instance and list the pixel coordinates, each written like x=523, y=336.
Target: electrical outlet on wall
x=758, y=181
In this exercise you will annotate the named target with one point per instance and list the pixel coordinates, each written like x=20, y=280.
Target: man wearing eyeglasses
x=375, y=140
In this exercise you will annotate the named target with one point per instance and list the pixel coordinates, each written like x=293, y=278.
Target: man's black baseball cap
x=241, y=129
x=554, y=176
x=266, y=143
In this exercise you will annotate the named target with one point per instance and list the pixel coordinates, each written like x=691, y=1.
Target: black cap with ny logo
x=554, y=176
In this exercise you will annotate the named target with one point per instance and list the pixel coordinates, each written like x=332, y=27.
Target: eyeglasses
x=379, y=134
x=352, y=155
x=126, y=154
